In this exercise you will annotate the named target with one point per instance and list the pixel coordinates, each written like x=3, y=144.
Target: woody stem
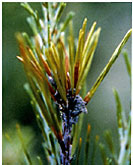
x=67, y=128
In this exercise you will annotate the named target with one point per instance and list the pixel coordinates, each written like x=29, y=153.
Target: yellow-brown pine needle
x=76, y=73
x=45, y=64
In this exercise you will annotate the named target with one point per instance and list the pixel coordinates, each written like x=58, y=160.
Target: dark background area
x=115, y=21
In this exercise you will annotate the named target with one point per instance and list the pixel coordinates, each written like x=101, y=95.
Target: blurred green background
x=115, y=20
